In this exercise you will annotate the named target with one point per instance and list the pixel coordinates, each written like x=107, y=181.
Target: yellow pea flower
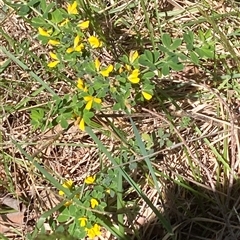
x=66, y=184
x=107, y=71
x=53, y=42
x=72, y=8
x=94, y=203
x=76, y=46
x=81, y=85
x=133, y=56
x=90, y=100
x=83, y=221
x=97, y=64
x=44, y=33
x=94, y=42
x=83, y=25
x=128, y=67
x=90, y=179
x=133, y=77
x=64, y=22
x=53, y=63
x=82, y=125
x=94, y=231
x=104, y=72
x=146, y=95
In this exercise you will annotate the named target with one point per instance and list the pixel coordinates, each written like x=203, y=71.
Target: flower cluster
x=85, y=222
x=74, y=45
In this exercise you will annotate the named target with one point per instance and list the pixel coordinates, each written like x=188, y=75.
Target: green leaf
x=156, y=55
x=149, y=55
x=148, y=75
x=64, y=216
x=146, y=63
x=48, y=10
x=188, y=37
x=163, y=49
x=43, y=5
x=194, y=58
x=57, y=16
x=33, y=3
x=166, y=40
x=24, y=10
x=176, y=66
x=165, y=69
x=63, y=121
x=176, y=43
x=39, y=22
x=4, y=65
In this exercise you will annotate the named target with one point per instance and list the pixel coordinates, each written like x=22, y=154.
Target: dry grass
x=198, y=175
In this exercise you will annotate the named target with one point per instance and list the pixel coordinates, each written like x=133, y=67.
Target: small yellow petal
x=133, y=77
x=84, y=25
x=82, y=125
x=94, y=203
x=94, y=42
x=68, y=203
x=146, y=95
x=106, y=72
x=53, y=56
x=89, y=105
x=97, y=64
x=93, y=231
x=68, y=184
x=133, y=56
x=79, y=48
x=43, y=32
x=120, y=70
x=97, y=100
x=76, y=41
x=83, y=221
x=53, y=64
x=88, y=98
x=72, y=8
x=70, y=50
x=128, y=67
x=61, y=193
x=53, y=42
x=64, y=22
x=90, y=179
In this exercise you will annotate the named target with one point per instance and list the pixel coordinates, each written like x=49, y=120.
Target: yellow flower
x=64, y=22
x=133, y=77
x=90, y=179
x=94, y=231
x=108, y=191
x=90, y=100
x=146, y=95
x=44, y=33
x=66, y=184
x=94, y=203
x=82, y=125
x=72, y=8
x=83, y=25
x=104, y=72
x=94, y=42
x=76, y=46
x=133, y=56
x=83, y=221
x=107, y=71
x=53, y=63
x=53, y=42
x=67, y=203
x=128, y=67
x=80, y=85
x=97, y=64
